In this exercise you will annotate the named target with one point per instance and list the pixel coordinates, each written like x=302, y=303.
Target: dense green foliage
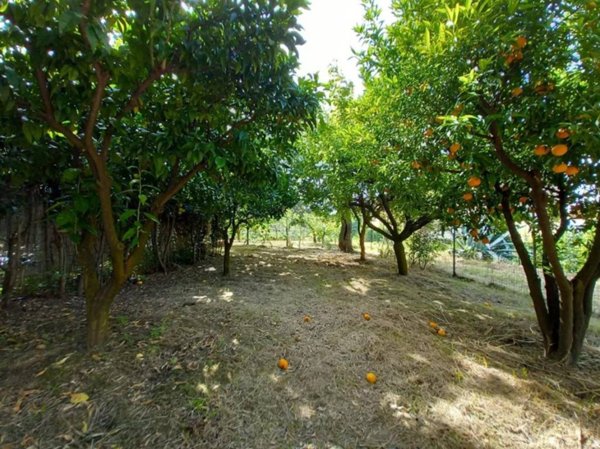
x=139, y=98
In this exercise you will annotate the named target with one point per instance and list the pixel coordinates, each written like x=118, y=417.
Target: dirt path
x=193, y=364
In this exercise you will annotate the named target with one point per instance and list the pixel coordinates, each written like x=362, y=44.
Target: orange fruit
x=571, y=170
x=283, y=364
x=428, y=132
x=541, y=150
x=450, y=210
x=563, y=133
x=559, y=150
x=516, y=91
x=307, y=318
x=456, y=222
x=366, y=316
x=441, y=332
x=521, y=41
x=523, y=199
x=518, y=55
x=560, y=168
x=474, y=181
x=458, y=109
x=509, y=59
x=371, y=377
x=485, y=240
x=468, y=196
x=455, y=147
x=415, y=164
x=474, y=233
x=433, y=324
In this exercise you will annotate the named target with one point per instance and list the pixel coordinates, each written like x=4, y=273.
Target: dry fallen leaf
x=78, y=398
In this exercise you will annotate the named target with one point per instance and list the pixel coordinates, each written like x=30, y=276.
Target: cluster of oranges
x=558, y=150
x=371, y=377
x=437, y=329
x=516, y=51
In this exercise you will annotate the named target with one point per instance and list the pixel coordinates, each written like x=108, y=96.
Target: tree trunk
x=14, y=260
x=227, y=256
x=98, y=318
x=361, y=238
x=400, y=254
x=98, y=297
x=345, y=237
x=247, y=235
x=583, y=299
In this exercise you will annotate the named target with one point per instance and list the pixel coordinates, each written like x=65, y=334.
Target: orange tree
x=515, y=89
x=146, y=95
x=363, y=156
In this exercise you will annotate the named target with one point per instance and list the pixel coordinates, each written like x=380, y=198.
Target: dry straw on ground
x=193, y=364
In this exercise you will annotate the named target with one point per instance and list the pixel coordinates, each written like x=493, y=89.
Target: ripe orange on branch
x=541, y=150
x=516, y=91
x=571, y=170
x=468, y=196
x=560, y=150
x=521, y=41
x=563, y=133
x=560, y=168
x=474, y=181
x=454, y=148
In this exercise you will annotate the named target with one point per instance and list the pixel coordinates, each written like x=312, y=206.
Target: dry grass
x=193, y=364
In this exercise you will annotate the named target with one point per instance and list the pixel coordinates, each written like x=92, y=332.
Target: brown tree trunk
x=226, y=258
x=361, y=238
x=98, y=312
x=345, y=237
x=14, y=260
x=400, y=254
x=227, y=244
x=98, y=297
x=583, y=300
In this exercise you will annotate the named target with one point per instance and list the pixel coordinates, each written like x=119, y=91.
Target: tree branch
x=562, y=209
x=591, y=267
x=504, y=157
x=156, y=73
x=49, y=115
x=388, y=211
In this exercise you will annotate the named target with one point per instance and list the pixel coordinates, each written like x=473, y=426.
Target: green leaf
x=70, y=175
x=66, y=219
x=151, y=217
x=130, y=233
x=220, y=162
x=68, y=20
x=127, y=214
x=81, y=204
x=143, y=198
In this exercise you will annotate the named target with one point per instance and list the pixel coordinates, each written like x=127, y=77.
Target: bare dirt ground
x=193, y=364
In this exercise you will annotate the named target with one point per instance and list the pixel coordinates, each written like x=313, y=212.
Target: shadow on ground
x=193, y=364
